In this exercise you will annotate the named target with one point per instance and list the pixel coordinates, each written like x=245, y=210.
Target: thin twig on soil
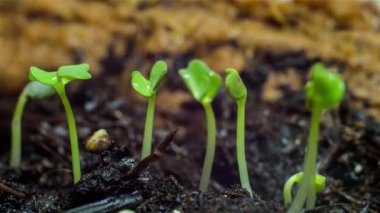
x=349, y=197
x=331, y=154
x=50, y=151
x=330, y=207
x=175, y=182
x=11, y=191
x=144, y=163
x=110, y=204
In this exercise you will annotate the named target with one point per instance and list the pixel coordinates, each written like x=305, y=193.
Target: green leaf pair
x=64, y=75
x=145, y=87
x=325, y=90
x=202, y=82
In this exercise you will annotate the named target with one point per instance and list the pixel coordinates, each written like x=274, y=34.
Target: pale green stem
x=210, y=150
x=148, y=131
x=16, y=130
x=240, y=147
x=306, y=191
x=287, y=193
x=75, y=158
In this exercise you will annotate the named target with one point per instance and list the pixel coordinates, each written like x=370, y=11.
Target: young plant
x=148, y=89
x=237, y=90
x=296, y=178
x=58, y=80
x=204, y=85
x=33, y=90
x=324, y=91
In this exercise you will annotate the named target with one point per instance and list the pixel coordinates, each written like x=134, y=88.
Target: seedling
x=296, y=178
x=324, y=91
x=148, y=89
x=204, y=85
x=58, y=80
x=237, y=90
x=33, y=90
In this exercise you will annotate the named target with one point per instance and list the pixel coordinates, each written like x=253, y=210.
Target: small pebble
x=98, y=142
x=358, y=168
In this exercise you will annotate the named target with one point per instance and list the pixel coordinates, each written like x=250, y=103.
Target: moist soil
x=276, y=134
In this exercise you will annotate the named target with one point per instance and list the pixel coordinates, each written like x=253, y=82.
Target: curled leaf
x=325, y=89
x=202, y=82
x=235, y=86
x=296, y=178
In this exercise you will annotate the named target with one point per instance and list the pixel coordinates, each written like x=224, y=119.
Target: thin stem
x=16, y=130
x=75, y=158
x=148, y=131
x=210, y=150
x=240, y=147
x=287, y=192
x=306, y=190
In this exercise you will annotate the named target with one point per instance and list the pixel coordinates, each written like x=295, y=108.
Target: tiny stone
x=358, y=168
x=90, y=106
x=297, y=141
x=98, y=142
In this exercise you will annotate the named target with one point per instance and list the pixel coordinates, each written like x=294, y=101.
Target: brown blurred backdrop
x=224, y=33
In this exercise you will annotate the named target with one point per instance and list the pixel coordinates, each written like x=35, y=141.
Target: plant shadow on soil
x=276, y=135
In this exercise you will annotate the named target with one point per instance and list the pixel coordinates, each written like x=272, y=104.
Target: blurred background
x=118, y=36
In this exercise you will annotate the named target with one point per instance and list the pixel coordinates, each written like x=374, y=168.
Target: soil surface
x=276, y=133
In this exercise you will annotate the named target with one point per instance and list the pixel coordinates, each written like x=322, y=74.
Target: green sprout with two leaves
x=324, y=91
x=204, y=85
x=237, y=91
x=148, y=89
x=58, y=80
x=33, y=90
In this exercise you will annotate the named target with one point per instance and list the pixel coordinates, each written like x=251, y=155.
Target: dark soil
x=275, y=141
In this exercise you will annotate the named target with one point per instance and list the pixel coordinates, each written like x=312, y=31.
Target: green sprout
x=296, y=178
x=324, y=91
x=58, y=80
x=237, y=90
x=33, y=90
x=204, y=85
x=148, y=89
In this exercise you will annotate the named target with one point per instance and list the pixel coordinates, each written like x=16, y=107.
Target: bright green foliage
x=237, y=90
x=235, y=86
x=296, y=178
x=325, y=90
x=73, y=72
x=32, y=90
x=204, y=84
x=58, y=80
x=148, y=89
x=64, y=75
